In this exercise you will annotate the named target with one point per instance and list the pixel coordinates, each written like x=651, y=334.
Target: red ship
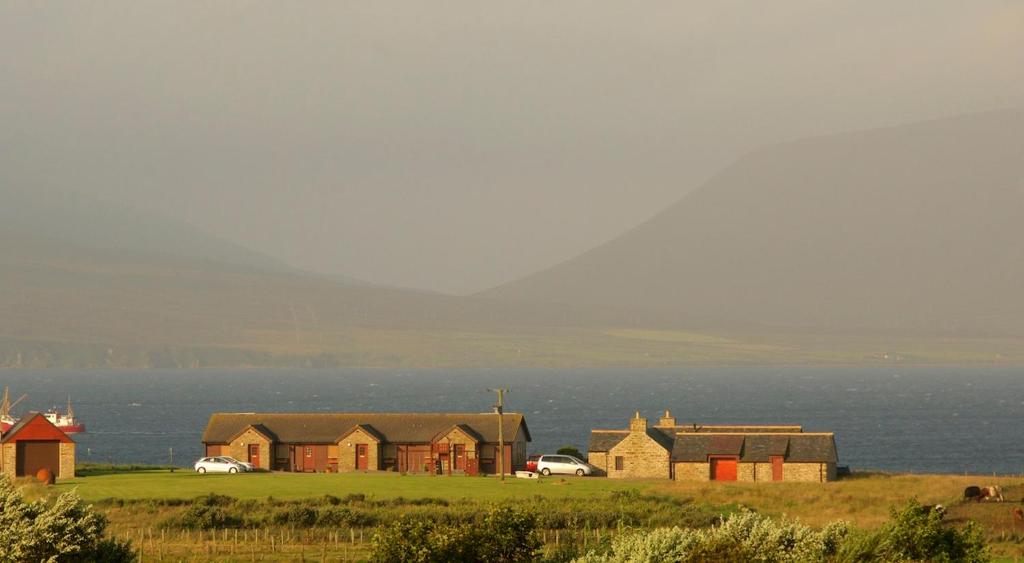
x=66, y=421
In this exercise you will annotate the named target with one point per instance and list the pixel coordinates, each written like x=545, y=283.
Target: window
x=309, y=451
x=620, y=463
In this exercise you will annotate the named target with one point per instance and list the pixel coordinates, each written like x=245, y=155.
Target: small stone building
x=714, y=452
x=34, y=443
x=331, y=442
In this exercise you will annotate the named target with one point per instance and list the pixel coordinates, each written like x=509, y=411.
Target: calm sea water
x=924, y=419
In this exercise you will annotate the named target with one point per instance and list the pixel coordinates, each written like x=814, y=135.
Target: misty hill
x=66, y=215
x=916, y=227
x=64, y=304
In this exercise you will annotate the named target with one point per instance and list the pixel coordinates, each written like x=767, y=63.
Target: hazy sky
x=456, y=145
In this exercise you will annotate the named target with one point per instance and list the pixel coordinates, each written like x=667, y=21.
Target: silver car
x=563, y=464
x=218, y=465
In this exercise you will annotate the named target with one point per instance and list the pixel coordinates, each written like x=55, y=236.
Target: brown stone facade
x=67, y=461
x=689, y=471
x=347, y=450
x=639, y=455
x=239, y=448
x=9, y=459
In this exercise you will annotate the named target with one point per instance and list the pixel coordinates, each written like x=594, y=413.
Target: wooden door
x=361, y=455
x=459, y=457
x=33, y=455
x=723, y=469
x=254, y=455
x=308, y=461
x=776, y=468
x=320, y=458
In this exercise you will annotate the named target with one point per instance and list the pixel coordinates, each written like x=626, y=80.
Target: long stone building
x=669, y=450
x=332, y=442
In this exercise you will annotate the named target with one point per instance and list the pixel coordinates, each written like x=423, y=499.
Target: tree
x=63, y=531
x=571, y=450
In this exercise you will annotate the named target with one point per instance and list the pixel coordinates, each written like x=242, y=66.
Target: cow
x=1018, y=514
x=994, y=492
x=972, y=493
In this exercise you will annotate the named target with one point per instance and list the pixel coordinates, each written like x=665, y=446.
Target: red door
x=361, y=451
x=459, y=457
x=776, y=468
x=723, y=469
x=254, y=455
x=308, y=461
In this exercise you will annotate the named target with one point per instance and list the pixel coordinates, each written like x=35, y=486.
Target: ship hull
x=73, y=429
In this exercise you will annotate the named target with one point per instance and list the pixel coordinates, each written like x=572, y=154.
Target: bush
x=570, y=450
x=204, y=517
x=506, y=535
x=297, y=516
x=746, y=536
x=911, y=535
x=65, y=530
x=916, y=535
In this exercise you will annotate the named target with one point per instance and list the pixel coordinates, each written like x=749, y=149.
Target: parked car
x=531, y=463
x=245, y=464
x=564, y=464
x=218, y=465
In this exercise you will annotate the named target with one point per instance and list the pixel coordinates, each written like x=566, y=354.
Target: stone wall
x=347, y=451
x=9, y=461
x=692, y=471
x=67, y=461
x=809, y=472
x=599, y=460
x=642, y=457
x=239, y=448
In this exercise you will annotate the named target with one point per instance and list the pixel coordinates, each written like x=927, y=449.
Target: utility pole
x=498, y=409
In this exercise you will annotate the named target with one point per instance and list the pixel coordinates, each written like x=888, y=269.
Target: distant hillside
x=912, y=228
x=70, y=216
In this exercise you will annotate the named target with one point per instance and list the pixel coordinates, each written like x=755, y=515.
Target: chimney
x=638, y=424
x=667, y=420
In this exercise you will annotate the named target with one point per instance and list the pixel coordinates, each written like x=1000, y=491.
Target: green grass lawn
x=186, y=484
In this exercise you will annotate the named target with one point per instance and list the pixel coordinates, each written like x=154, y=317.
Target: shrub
x=745, y=536
x=298, y=516
x=340, y=516
x=204, y=517
x=570, y=450
x=506, y=535
x=65, y=530
x=916, y=535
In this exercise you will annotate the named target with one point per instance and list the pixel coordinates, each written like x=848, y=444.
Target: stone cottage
x=336, y=442
x=714, y=452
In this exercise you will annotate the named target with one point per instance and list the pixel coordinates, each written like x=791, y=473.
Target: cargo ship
x=65, y=421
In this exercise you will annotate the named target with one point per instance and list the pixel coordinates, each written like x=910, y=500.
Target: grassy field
x=145, y=499
x=184, y=484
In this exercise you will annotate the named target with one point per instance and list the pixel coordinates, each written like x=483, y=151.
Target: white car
x=245, y=464
x=219, y=465
x=564, y=464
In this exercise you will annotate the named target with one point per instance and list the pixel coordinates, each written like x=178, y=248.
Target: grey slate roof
x=753, y=429
x=327, y=428
x=604, y=440
x=811, y=448
x=664, y=438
